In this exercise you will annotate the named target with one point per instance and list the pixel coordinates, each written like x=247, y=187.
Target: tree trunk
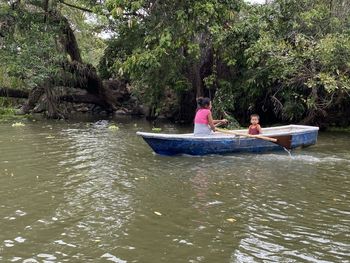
x=67, y=39
x=33, y=97
x=14, y=93
x=197, y=80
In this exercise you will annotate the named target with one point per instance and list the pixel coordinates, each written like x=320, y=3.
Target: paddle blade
x=284, y=141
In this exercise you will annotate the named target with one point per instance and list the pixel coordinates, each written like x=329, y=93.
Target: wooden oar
x=282, y=140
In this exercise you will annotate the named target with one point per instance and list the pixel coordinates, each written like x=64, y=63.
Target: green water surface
x=77, y=191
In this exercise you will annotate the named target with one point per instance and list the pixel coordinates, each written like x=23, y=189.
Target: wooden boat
x=220, y=143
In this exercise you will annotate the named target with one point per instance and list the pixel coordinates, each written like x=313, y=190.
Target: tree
x=282, y=59
x=39, y=47
x=286, y=59
x=295, y=65
x=167, y=46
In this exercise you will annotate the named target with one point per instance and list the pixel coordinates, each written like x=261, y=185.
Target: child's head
x=254, y=119
x=204, y=103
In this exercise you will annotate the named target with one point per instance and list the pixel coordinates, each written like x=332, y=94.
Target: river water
x=80, y=192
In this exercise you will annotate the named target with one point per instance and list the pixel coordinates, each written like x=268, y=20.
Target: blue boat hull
x=203, y=146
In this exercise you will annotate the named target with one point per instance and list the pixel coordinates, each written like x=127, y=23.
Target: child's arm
x=259, y=128
x=249, y=129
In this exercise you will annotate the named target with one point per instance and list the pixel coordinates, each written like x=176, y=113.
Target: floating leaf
x=231, y=220
x=154, y=129
x=113, y=127
x=18, y=124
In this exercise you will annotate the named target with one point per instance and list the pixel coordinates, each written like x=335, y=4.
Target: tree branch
x=76, y=7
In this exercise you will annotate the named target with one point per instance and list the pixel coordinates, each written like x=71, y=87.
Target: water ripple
x=80, y=192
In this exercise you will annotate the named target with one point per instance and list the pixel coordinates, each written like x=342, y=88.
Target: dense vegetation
x=288, y=60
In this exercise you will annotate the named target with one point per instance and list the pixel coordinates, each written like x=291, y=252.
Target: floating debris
x=154, y=129
x=231, y=220
x=157, y=213
x=113, y=127
x=18, y=124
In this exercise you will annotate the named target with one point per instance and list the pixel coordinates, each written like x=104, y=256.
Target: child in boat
x=254, y=128
x=203, y=122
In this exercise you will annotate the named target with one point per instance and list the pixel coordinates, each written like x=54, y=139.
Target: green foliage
x=7, y=111
x=89, y=29
x=30, y=48
x=5, y=107
x=161, y=43
x=288, y=60
x=28, y=51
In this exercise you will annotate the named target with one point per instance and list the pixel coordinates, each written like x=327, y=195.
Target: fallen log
x=75, y=98
x=87, y=98
x=14, y=93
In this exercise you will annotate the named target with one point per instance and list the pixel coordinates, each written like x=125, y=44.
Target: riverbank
x=339, y=129
x=90, y=112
